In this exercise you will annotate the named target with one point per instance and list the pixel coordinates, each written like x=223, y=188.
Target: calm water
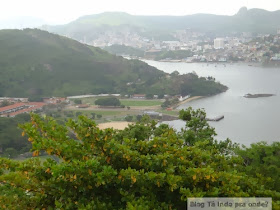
x=246, y=120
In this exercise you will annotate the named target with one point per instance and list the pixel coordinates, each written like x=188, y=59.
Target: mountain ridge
x=245, y=20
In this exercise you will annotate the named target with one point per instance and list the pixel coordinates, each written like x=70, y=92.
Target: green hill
x=35, y=63
x=124, y=50
x=161, y=27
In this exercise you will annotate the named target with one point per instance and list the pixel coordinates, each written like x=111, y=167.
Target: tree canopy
x=110, y=101
x=10, y=134
x=141, y=167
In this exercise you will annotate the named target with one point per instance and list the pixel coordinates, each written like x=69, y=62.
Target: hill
x=124, y=50
x=35, y=63
x=38, y=63
x=161, y=27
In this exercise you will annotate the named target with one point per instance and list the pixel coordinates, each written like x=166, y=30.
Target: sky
x=64, y=11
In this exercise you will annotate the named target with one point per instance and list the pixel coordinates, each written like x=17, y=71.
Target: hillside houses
x=233, y=47
x=19, y=108
x=13, y=100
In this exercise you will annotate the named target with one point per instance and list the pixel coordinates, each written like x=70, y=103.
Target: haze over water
x=247, y=120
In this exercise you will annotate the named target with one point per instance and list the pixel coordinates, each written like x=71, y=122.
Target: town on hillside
x=202, y=47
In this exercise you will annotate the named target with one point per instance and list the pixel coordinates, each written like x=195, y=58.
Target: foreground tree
x=141, y=167
x=262, y=159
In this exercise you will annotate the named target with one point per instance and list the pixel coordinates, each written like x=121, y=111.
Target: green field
x=127, y=102
x=107, y=116
x=104, y=112
x=89, y=100
x=172, y=113
x=141, y=102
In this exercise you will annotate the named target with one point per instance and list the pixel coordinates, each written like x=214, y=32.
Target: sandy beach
x=188, y=100
x=115, y=125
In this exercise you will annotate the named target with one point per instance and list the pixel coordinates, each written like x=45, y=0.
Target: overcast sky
x=63, y=11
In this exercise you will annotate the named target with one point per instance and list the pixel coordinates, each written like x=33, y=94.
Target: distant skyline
x=64, y=11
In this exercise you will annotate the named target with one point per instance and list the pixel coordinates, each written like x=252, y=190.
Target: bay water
x=247, y=120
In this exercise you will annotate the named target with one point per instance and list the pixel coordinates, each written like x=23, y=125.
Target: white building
x=198, y=48
x=219, y=43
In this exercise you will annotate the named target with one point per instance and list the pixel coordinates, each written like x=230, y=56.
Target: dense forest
x=174, y=55
x=12, y=142
x=35, y=63
x=142, y=167
x=124, y=50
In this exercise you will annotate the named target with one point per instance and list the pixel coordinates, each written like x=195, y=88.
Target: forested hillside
x=35, y=63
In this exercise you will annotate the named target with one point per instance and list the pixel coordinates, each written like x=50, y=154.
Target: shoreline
x=188, y=100
x=274, y=64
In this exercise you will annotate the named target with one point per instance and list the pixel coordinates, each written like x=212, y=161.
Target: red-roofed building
x=19, y=108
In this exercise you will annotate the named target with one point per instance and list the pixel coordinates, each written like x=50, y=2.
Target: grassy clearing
x=126, y=102
x=107, y=113
x=103, y=113
x=89, y=100
x=173, y=112
x=141, y=102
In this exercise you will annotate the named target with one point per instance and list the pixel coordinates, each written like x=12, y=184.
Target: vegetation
x=11, y=141
x=5, y=103
x=263, y=159
x=141, y=167
x=110, y=101
x=171, y=112
x=78, y=101
x=104, y=112
x=187, y=84
x=38, y=64
x=169, y=103
x=129, y=118
x=124, y=50
x=174, y=55
x=128, y=102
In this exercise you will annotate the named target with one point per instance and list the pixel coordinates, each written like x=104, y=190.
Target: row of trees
x=169, y=102
x=110, y=101
x=142, y=167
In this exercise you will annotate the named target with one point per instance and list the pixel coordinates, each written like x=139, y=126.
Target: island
x=258, y=95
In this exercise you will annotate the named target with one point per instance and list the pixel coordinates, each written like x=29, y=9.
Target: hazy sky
x=62, y=11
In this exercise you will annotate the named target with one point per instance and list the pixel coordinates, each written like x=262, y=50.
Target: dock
x=216, y=119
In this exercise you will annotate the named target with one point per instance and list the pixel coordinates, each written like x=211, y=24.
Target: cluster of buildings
x=17, y=106
x=20, y=108
x=204, y=47
x=262, y=48
x=124, y=37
